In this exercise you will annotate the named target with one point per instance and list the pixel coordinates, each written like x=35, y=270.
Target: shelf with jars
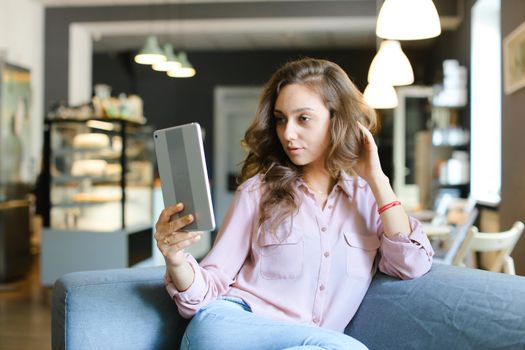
x=450, y=152
x=431, y=149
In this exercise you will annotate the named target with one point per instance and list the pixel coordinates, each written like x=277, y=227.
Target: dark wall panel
x=512, y=142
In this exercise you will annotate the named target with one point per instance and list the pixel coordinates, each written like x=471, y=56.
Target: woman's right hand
x=171, y=240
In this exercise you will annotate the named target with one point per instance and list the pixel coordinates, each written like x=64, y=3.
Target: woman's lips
x=294, y=150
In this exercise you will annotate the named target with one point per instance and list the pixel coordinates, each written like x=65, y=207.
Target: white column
x=80, y=64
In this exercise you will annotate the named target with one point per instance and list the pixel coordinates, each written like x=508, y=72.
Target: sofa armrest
x=448, y=308
x=115, y=309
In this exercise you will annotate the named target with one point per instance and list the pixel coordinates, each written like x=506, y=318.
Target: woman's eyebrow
x=298, y=110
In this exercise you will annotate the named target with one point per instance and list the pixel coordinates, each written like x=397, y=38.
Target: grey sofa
x=448, y=308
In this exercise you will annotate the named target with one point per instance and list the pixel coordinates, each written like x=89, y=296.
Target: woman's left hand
x=368, y=167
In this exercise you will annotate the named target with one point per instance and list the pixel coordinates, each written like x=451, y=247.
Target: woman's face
x=303, y=125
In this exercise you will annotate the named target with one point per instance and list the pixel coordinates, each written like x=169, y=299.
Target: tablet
x=183, y=174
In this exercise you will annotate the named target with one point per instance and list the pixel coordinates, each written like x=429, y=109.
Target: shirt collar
x=345, y=182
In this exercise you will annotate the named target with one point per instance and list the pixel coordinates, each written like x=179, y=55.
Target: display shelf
x=450, y=153
x=97, y=200
x=75, y=162
x=64, y=179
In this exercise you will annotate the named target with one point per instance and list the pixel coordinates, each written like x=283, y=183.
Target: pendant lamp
x=380, y=96
x=390, y=65
x=151, y=52
x=408, y=20
x=171, y=62
x=186, y=70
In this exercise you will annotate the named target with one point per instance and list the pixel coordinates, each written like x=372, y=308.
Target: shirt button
x=326, y=254
x=323, y=229
x=321, y=287
x=315, y=319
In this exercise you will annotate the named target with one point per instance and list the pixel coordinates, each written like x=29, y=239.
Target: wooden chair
x=455, y=240
x=501, y=242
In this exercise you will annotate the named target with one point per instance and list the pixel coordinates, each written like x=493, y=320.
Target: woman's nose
x=290, y=132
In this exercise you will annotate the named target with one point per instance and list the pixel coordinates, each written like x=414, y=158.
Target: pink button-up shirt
x=317, y=275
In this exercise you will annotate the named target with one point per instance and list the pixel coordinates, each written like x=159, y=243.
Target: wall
x=512, y=207
x=21, y=43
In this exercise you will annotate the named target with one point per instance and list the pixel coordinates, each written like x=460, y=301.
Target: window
x=485, y=110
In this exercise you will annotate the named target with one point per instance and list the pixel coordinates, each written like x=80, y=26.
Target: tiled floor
x=25, y=313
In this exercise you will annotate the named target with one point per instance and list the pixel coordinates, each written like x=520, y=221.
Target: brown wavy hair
x=266, y=155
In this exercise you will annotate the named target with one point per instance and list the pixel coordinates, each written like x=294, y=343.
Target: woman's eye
x=304, y=118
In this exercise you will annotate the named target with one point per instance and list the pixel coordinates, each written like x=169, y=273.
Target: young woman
x=299, y=245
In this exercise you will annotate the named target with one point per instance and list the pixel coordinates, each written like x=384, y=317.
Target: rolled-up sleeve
x=216, y=273
x=404, y=256
x=194, y=293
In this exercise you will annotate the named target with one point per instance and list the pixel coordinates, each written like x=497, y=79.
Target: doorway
x=234, y=109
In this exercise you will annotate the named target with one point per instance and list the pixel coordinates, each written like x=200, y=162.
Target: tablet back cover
x=183, y=173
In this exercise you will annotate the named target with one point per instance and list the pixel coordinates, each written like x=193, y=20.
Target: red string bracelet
x=388, y=206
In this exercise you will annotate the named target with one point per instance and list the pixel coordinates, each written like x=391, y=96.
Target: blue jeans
x=229, y=324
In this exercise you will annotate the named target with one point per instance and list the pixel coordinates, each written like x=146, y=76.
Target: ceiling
x=234, y=33
x=83, y=3
x=238, y=34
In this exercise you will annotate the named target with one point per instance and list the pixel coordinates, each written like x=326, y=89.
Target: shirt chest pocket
x=281, y=258
x=361, y=251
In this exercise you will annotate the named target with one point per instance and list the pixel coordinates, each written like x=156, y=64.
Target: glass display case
x=17, y=171
x=98, y=190
x=100, y=174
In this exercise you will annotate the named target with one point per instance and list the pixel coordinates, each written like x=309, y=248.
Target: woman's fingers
x=168, y=212
x=365, y=131
x=178, y=242
x=172, y=227
x=171, y=240
x=179, y=237
x=369, y=138
x=163, y=229
x=178, y=224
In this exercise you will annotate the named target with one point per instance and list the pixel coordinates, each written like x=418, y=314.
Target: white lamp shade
x=380, y=96
x=408, y=20
x=186, y=70
x=151, y=52
x=171, y=62
x=390, y=65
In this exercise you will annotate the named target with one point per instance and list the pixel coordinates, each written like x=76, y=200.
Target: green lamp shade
x=171, y=62
x=186, y=70
x=150, y=52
